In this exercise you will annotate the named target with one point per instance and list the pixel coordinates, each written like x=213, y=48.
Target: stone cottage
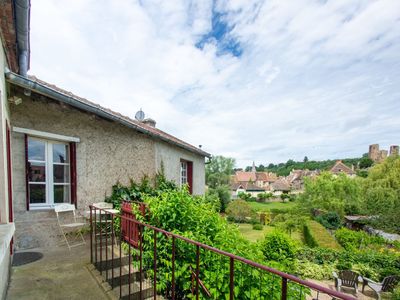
x=57, y=147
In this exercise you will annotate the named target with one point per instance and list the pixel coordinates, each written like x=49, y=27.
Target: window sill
x=6, y=234
x=43, y=207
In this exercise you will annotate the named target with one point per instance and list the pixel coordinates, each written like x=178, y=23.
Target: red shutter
x=190, y=175
x=9, y=174
x=72, y=157
x=26, y=172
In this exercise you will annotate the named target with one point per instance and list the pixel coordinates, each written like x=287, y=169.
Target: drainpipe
x=22, y=19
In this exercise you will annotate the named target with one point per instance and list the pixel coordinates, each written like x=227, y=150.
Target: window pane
x=61, y=194
x=61, y=173
x=36, y=150
x=37, y=193
x=60, y=153
x=37, y=172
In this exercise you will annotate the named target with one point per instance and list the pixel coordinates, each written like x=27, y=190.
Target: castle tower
x=382, y=155
x=394, y=150
x=373, y=152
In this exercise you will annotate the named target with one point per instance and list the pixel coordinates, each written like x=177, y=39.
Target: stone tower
x=382, y=155
x=373, y=152
x=394, y=150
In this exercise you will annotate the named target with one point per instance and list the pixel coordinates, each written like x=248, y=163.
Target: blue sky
x=255, y=80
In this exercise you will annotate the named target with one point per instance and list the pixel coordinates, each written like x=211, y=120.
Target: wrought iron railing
x=124, y=250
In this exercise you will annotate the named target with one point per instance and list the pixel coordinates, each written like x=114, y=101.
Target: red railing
x=131, y=233
x=134, y=272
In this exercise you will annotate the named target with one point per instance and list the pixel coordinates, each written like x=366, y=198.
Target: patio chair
x=68, y=222
x=347, y=279
x=387, y=285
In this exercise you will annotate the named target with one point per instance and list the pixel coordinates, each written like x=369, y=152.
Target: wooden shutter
x=72, y=163
x=190, y=176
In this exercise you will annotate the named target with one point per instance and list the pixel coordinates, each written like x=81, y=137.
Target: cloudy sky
x=255, y=80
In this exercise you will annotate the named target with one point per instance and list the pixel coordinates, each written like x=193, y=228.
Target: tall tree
x=219, y=170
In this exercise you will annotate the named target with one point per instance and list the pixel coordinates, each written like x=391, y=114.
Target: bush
x=258, y=227
x=355, y=240
x=330, y=220
x=240, y=211
x=223, y=194
x=278, y=246
x=310, y=270
x=316, y=235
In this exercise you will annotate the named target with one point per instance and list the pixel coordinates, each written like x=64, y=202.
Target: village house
x=340, y=167
x=252, y=182
x=57, y=147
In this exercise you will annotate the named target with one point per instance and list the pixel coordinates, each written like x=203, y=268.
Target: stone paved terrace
x=60, y=274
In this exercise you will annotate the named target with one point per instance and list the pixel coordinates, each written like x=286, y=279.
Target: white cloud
x=316, y=79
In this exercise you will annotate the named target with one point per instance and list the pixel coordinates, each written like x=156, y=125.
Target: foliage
x=219, y=170
x=258, y=226
x=264, y=196
x=224, y=196
x=381, y=191
x=307, y=269
x=365, y=162
x=375, y=264
x=316, y=235
x=136, y=191
x=338, y=193
x=176, y=211
x=239, y=211
x=278, y=246
x=284, y=197
x=355, y=240
x=283, y=169
x=244, y=196
x=330, y=220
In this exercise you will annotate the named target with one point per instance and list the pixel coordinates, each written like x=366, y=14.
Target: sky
x=262, y=81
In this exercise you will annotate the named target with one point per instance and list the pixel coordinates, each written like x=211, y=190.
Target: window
x=184, y=169
x=48, y=173
x=187, y=174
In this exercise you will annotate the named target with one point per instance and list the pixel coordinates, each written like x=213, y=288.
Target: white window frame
x=49, y=174
x=184, y=173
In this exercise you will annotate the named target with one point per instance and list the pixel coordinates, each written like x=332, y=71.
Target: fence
x=149, y=262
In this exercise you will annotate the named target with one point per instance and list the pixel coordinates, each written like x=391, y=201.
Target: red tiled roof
x=146, y=128
x=341, y=167
x=241, y=176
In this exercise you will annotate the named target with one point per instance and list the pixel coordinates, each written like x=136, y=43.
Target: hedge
x=315, y=235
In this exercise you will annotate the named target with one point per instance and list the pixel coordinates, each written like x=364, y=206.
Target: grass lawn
x=260, y=206
x=254, y=235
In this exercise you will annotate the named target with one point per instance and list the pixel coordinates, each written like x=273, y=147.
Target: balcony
x=125, y=253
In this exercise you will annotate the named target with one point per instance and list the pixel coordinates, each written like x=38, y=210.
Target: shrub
x=343, y=265
x=330, y=220
x=310, y=270
x=316, y=235
x=278, y=246
x=258, y=227
x=355, y=240
x=244, y=196
x=240, y=211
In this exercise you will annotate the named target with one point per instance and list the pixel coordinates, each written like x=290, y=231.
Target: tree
x=340, y=193
x=381, y=192
x=239, y=210
x=305, y=159
x=219, y=170
x=365, y=162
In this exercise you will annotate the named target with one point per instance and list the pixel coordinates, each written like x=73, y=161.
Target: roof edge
x=42, y=89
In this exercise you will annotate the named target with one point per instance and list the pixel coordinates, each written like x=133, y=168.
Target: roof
x=281, y=185
x=241, y=176
x=341, y=167
x=248, y=186
x=8, y=33
x=265, y=176
x=54, y=92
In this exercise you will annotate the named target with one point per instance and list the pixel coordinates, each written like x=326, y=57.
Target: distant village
x=254, y=182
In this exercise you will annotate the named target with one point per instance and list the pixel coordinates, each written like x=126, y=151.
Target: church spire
x=253, y=168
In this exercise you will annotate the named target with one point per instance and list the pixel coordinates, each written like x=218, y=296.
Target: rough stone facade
x=170, y=157
x=107, y=152
x=394, y=150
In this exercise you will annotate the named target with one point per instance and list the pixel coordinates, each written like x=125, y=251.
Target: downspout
x=22, y=20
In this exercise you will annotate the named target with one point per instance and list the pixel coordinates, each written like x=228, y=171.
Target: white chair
x=68, y=222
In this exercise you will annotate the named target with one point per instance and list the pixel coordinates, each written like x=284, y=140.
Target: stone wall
x=170, y=156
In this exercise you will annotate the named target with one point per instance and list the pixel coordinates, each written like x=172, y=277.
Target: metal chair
x=347, y=279
x=387, y=285
x=68, y=223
